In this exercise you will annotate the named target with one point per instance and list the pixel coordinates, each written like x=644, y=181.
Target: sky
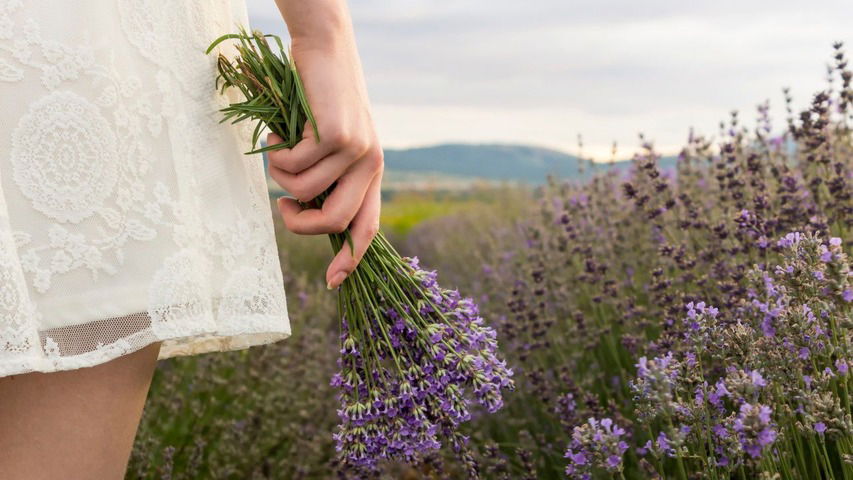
x=543, y=72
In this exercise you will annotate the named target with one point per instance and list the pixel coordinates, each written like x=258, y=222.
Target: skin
x=80, y=424
x=324, y=49
x=76, y=424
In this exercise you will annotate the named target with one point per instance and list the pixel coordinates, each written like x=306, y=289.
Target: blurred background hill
x=456, y=166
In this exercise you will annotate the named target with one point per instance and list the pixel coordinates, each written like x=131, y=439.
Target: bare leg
x=76, y=424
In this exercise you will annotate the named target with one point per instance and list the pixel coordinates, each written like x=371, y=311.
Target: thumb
x=364, y=226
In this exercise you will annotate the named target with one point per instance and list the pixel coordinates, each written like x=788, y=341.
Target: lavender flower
x=754, y=428
x=596, y=445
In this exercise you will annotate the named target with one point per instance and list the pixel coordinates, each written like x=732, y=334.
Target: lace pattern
x=128, y=213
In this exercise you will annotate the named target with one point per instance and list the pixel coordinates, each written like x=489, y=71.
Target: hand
x=348, y=155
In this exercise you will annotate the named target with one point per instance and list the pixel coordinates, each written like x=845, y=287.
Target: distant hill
x=494, y=162
x=459, y=165
x=488, y=161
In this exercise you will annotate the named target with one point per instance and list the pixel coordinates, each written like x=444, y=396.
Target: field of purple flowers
x=679, y=324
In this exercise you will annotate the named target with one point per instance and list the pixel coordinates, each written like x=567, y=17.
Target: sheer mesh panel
x=99, y=341
x=79, y=339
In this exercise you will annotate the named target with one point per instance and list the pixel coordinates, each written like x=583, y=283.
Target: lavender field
x=678, y=323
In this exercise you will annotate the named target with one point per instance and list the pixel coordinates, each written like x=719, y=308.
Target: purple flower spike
x=415, y=375
x=596, y=444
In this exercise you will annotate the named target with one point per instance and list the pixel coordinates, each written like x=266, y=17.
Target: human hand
x=348, y=155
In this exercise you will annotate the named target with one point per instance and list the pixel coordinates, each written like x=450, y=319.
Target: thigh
x=75, y=424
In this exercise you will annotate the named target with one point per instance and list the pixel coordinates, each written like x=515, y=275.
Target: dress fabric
x=128, y=213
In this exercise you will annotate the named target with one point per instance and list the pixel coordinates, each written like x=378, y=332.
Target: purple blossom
x=662, y=442
x=841, y=366
x=595, y=444
x=754, y=428
x=790, y=240
x=716, y=396
x=757, y=379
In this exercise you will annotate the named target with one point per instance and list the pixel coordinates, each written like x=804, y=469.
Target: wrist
x=327, y=32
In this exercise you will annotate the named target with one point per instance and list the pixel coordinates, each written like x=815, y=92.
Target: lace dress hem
x=240, y=333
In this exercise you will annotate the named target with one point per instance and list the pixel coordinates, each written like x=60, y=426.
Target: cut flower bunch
x=415, y=357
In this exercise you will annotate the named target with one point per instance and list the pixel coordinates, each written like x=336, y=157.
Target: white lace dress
x=128, y=214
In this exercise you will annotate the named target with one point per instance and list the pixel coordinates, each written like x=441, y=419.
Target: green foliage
x=402, y=211
x=273, y=93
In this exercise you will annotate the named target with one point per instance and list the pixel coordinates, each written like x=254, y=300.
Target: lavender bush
x=685, y=323
x=706, y=310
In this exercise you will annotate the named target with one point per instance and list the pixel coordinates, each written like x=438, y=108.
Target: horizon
x=446, y=73
x=487, y=143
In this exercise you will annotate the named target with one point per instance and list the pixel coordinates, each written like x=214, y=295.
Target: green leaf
x=300, y=92
x=350, y=242
x=268, y=148
x=220, y=40
x=256, y=134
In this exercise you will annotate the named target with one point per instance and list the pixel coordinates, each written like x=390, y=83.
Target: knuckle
x=349, y=263
x=309, y=193
x=282, y=164
x=303, y=188
x=373, y=229
x=299, y=190
x=299, y=164
x=285, y=162
x=358, y=146
x=375, y=159
x=337, y=223
x=336, y=137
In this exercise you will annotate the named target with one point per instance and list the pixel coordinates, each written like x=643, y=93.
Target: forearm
x=317, y=23
x=323, y=46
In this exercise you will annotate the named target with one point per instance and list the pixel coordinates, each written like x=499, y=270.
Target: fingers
x=364, y=227
x=308, y=152
x=338, y=209
x=303, y=155
x=309, y=183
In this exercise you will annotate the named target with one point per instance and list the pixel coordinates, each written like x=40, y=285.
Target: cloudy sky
x=544, y=71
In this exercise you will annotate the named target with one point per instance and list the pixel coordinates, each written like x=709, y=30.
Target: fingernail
x=337, y=279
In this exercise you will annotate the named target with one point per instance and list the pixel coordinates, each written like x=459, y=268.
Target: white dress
x=128, y=213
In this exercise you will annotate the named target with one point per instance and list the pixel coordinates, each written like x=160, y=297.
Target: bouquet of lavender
x=414, y=356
